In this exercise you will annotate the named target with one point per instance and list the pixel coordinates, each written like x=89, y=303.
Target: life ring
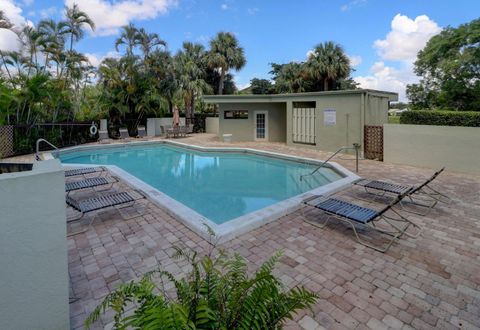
x=93, y=129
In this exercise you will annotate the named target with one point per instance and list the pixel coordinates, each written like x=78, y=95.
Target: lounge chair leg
x=376, y=248
x=403, y=219
x=321, y=226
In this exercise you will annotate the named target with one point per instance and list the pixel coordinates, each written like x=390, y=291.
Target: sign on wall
x=329, y=117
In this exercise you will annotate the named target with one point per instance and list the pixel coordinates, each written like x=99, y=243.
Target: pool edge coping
x=195, y=221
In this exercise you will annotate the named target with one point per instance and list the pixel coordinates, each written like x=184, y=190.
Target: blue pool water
x=219, y=186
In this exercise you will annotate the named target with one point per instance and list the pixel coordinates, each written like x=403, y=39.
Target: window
x=235, y=114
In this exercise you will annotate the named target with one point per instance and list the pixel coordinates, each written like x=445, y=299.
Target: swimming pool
x=218, y=186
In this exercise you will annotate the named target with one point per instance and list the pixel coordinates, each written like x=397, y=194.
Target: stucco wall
x=243, y=129
x=211, y=125
x=348, y=127
x=33, y=258
x=457, y=148
x=154, y=125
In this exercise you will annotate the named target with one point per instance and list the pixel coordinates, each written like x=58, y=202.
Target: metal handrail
x=37, y=149
x=356, y=147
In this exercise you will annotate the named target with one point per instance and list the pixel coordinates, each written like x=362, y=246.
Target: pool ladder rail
x=37, y=149
x=355, y=147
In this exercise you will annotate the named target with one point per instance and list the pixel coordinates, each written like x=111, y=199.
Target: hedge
x=441, y=118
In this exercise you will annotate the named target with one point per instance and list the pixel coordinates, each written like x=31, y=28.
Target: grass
x=394, y=119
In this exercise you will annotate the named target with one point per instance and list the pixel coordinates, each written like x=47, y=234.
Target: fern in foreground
x=217, y=293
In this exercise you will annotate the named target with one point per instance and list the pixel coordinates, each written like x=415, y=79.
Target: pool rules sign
x=329, y=117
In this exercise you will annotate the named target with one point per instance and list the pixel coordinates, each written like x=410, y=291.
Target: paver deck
x=432, y=282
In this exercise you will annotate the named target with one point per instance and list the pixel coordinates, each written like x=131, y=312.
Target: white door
x=261, y=126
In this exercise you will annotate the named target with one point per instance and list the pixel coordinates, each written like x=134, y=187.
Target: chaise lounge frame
x=383, y=188
x=354, y=214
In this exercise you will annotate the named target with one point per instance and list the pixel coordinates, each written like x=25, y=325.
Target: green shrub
x=441, y=118
x=217, y=293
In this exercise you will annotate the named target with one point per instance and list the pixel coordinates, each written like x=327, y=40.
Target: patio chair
x=119, y=200
x=413, y=193
x=85, y=170
x=173, y=131
x=124, y=133
x=354, y=214
x=89, y=183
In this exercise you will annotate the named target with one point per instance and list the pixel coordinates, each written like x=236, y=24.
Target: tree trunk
x=325, y=84
x=220, y=84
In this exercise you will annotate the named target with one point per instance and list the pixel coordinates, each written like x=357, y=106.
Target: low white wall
x=33, y=257
x=456, y=148
x=154, y=125
x=212, y=125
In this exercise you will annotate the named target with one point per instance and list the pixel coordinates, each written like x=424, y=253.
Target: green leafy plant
x=441, y=118
x=217, y=293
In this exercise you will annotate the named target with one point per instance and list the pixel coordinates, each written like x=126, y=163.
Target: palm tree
x=148, y=41
x=129, y=37
x=225, y=54
x=76, y=21
x=189, y=63
x=53, y=35
x=162, y=68
x=32, y=40
x=328, y=63
x=5, y=24
x=4, y=21
x=289, y=78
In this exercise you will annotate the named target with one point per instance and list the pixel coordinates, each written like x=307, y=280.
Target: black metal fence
x=59, y=134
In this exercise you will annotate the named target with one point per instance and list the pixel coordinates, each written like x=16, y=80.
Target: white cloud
x=388, y=78
x=224, y=6
x=401, y=45
x=96, y=59
x=352, y=4
x=355, y=60
x=9, y=40
x=109, y=16
x=253, y=11
x=48, y=12
x=407, y=37
x=27, y=2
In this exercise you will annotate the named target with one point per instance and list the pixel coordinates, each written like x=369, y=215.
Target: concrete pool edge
x=195, y=221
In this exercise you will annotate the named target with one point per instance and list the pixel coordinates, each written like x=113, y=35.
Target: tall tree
x=225, y=54
x=449, y=66
x=261, y=86
x=148, y=42
x=76, y=21
x=128, y=38
x=328, y=63
x=290, y=78
x=53, y=38
x=189, y=63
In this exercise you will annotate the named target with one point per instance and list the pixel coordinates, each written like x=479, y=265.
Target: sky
x=381, y=37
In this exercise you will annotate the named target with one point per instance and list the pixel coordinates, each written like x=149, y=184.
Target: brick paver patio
x=432, y=282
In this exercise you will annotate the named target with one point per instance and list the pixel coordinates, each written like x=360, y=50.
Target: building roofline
x=283, y=97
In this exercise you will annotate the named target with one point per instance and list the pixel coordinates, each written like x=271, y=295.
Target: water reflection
x=218, y=186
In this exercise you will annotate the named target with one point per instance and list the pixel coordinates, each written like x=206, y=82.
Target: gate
x=304, y=125
x=6, y=141
x=373, y=142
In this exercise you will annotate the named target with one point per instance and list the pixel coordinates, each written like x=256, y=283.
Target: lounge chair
x=124, y=133
x=88, y=183
x=120, y=199
x=85, y=170
x=413, y=193
x=354, y=214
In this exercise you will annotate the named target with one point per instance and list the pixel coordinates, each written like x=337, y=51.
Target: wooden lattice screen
x=6, y=141
x=373, y=142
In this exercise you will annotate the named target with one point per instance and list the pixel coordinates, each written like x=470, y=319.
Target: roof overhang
x=281, y=98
